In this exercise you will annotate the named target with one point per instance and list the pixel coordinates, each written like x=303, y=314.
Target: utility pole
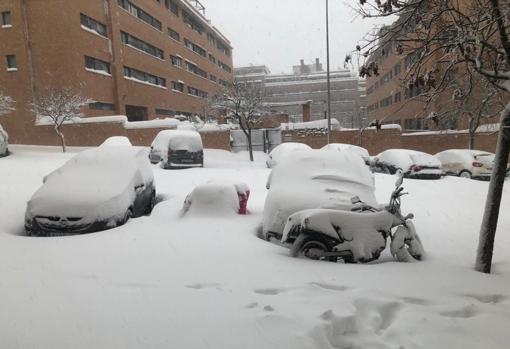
x=328, y=72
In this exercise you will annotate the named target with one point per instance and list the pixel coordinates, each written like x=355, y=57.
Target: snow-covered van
x=177, y=149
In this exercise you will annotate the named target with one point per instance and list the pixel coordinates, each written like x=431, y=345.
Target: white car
x=314, y=179
x=177, y=149
x=413, y=164
x=348, y=147
x=467, y=163
x=97, y=189
x=116, y=141
x=4, y=149
x=282, y=151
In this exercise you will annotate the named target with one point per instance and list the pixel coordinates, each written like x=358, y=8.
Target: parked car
x=467, y=163
x=116, y=141
x=177, y=149
x=97, y=189
x=216, y=198
x=413, y=164
x=283, y=150
x=4, y=147
x=314, y=179
x=348, y=147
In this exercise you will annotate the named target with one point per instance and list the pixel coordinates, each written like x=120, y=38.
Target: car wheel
x=152, y=203
x=127, y=216
x=465, y=174
x=311, y=246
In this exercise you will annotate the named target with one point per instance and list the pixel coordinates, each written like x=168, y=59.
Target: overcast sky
x=278, y=33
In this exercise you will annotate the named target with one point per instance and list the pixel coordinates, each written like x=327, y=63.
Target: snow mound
x=213, y=199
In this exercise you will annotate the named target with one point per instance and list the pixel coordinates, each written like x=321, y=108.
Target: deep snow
x=166, y=282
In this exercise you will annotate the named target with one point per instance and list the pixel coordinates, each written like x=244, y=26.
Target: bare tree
x=244, y=101
x=441, y=40
x=59, y=105
x=6, y=104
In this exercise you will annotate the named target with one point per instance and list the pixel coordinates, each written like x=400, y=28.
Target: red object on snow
x=243, y=202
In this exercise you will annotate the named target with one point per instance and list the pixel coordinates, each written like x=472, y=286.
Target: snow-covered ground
x=167, y=282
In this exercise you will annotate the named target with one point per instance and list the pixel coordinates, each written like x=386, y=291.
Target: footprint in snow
x=269, y=291
x=268, y=308
x=462, y=313
x=199, y=286
x=331, y=287
x=252, y=305
x=488, y=298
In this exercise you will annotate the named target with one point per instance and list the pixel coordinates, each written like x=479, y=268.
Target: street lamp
x=328, y=71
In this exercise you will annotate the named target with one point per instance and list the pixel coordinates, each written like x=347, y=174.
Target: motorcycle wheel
x=311, y=247
x=406, y=246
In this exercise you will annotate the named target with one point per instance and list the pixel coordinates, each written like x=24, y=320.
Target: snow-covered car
x=314, y=179
x=4, y=147
x=467, y=163
x=348, y=147
x=177, y=149
x=413, y=164
x=217, y=198
x=116, y=141
x=97, y=189
x=282, y=151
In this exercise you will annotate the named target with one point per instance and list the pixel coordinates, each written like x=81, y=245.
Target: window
x=97, y=65
x=195, y=48
x=130, y=40
x=213, y=78
x=398, y=97
x=165, y=112
x=174, y=35
x=223, y=48
x=212, y=58
x=177, y=86
x=196, y=92
x=192, y=22
x=92, y=24
x=224, y=66
x=172, y=6
x=211, y=38
x=192, y=68
x=139, y=13
x=139, y=75
x=176, y=61
x=224, y=83
x=397, y=70
x=386, y=102
x=6, y=19
x=11, y=62
x=102, y=106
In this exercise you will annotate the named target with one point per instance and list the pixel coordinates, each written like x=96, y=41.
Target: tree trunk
x=62, y=139
x=471, y=144
x=492, y=205
x=250, y=145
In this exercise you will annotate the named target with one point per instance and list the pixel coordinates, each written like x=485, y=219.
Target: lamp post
x=328, y=71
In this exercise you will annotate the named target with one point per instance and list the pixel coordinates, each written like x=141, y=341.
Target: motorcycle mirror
x=409, y=216
x=400, y=178
x=355, y=200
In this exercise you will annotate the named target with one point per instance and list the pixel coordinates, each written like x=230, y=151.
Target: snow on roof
x=178, y=140
x=155, y=123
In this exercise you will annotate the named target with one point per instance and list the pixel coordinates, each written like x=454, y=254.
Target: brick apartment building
x=140, y=58
x=391, y=99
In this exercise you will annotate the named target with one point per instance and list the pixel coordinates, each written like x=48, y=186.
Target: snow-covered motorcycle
x=355, y=236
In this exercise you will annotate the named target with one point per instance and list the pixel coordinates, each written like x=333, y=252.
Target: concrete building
x=140, y=58
x=287, y=93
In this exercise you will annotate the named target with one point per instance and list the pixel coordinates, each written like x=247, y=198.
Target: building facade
x=287, y=93
x=144, y=59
